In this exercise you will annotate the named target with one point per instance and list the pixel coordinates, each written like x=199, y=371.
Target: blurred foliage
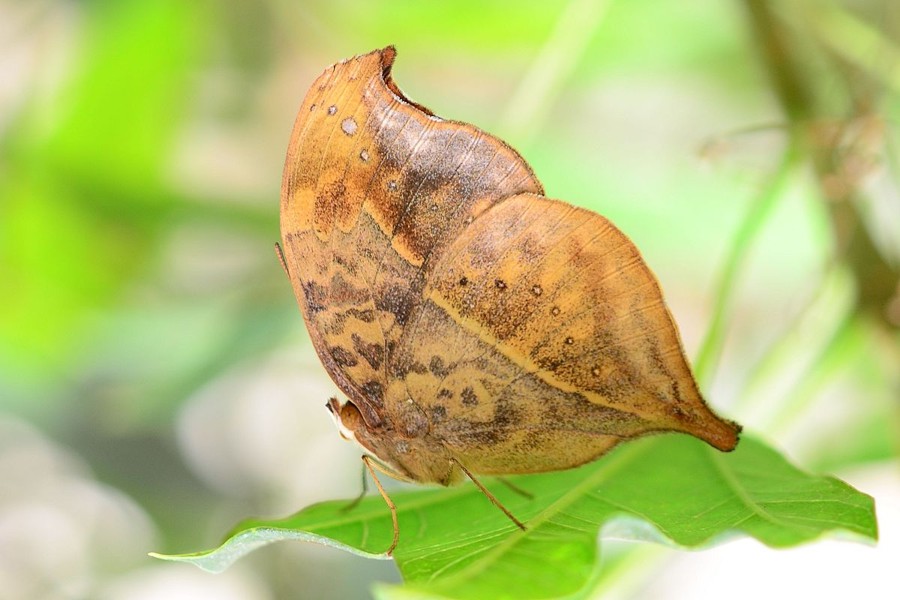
x=141, y=145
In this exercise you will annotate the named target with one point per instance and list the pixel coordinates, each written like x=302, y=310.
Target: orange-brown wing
x=543, y=340
x=374, y=189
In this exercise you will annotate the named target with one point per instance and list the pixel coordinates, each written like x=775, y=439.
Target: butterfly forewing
x=374, y=189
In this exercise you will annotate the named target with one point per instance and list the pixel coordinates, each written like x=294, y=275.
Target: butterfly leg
x=388, y=501
x=362, y=494
x=489, y=495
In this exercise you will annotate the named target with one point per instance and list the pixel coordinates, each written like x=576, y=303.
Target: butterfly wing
x=545, y=341
x=374, y=189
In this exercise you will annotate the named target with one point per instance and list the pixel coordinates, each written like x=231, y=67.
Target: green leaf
x=672, y=488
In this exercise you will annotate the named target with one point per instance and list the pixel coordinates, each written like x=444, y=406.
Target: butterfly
x=475, y=325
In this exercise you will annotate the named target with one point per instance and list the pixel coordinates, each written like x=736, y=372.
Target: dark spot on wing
x=342, y=292
x=366, y=316
x=438, y=414
x=404, y=368
x=437, y=367
x=315, y=296
x=418, y=368
x=372, y=353
x=396, y=301
x=373, y=392
x=343, y=357
x=468, y=397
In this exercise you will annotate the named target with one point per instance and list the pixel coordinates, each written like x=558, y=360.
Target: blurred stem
x=813, y=324
x=843, y=344
x=857, y=42
x=833, y=151
x=553, y=65
x=773, y=43
x=760, y=210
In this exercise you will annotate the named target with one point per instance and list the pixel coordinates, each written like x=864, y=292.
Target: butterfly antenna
x=489, y=495
x=280, y=254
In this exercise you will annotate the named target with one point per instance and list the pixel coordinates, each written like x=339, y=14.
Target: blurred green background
x=156, y=381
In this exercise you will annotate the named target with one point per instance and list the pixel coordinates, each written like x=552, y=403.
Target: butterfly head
x=398, y=450
x=353, y=428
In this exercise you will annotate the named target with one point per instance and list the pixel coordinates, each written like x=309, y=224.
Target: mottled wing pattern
x=543, y=340
x=375, y=187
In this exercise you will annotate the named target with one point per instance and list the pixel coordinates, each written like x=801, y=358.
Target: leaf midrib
x=732, y=482
x=613, y=464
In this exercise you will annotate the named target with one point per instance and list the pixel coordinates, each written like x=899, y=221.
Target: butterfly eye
x=350, y=416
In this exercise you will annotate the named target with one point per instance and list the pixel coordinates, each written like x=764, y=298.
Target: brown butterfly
x=476, y=326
